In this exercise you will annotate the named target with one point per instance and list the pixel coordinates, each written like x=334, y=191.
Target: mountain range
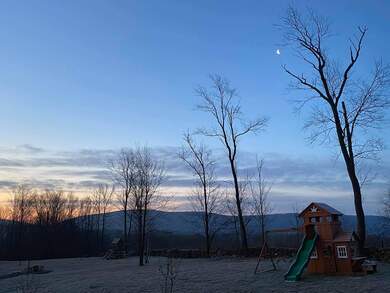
x=188, y=223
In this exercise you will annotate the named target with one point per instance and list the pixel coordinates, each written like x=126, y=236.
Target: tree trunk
x=125, y=229
x=347, y=151
x=244, y=241
x=130, y=224
x=97, y=230
x=360, y=218
x=103, y=226
x=141, y=237
x=206, y=221
x=262, y=230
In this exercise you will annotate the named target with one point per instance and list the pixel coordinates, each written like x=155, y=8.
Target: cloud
x=31, y=149
x=10, y=163
x=294, y=178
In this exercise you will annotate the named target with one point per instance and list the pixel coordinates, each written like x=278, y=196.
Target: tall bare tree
x=207, y=198
x=221, y=103
x=260, y=190
x=344, y=109
x=123, y=171
x=149, y=174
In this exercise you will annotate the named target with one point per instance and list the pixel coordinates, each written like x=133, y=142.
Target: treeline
x=52, y=223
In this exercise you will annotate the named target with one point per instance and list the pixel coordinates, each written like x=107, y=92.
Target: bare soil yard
x=193, y=275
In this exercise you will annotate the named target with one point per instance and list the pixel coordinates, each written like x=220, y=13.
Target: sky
x=81, y=79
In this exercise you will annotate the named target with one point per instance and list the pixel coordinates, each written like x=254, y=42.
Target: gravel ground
x=193, y=275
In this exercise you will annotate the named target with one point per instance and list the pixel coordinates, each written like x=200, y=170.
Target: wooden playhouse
x=326, y=248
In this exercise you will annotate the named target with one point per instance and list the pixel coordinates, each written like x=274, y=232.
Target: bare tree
x=56, y=204
x=21, y=204
x=97, y=203
x=149, y=174
x=207, y=198
x=260, y=189
x=103, y=194
x=21, y=215
x=344, y=109
x=71, y=206
x=84, y=214
x=222, y=105
x=123, y=171
x=169, y=273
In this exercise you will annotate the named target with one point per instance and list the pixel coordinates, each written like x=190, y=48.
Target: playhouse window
x=314, y=254
x=342, y=252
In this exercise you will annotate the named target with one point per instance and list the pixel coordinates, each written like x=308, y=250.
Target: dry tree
x=168, y=272
x=207, y=199
x=122, y=168
x=344, y=108
x=222, y=104
x=149, y=175
x=260, y=189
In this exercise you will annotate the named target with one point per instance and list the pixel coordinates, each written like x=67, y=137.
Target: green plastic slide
x=302, y=259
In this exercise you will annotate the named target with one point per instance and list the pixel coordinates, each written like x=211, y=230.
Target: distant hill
x=187, y=223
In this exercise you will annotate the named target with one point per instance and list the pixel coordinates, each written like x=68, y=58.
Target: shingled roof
x=345, y=237
x=323, y=206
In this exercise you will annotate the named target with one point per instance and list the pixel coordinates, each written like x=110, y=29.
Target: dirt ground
x=193, y=275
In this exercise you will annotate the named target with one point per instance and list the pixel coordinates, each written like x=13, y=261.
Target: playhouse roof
x=323, y=206
x=345, y=237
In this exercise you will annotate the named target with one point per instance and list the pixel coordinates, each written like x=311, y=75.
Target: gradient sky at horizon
x=101, y=75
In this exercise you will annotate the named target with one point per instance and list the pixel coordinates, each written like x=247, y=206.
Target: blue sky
x=100, y=75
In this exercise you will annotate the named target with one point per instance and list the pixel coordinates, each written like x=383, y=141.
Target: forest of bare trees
x=53, y=223
x=48, y=223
